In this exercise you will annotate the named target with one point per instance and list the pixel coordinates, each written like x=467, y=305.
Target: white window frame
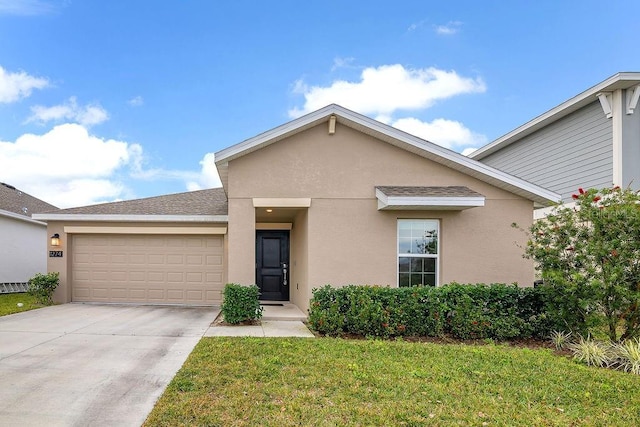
x=405, y=255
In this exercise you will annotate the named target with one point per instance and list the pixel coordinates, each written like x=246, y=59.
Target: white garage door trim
x=147, y=268
x=144, y=230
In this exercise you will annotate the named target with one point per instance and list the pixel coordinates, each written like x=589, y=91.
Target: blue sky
x=112, y=100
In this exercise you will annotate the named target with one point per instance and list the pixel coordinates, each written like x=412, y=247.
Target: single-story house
x=23, y=251
x=591, y=141
x=332, y=197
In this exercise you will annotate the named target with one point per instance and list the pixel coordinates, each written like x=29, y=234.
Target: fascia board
x=70, y=229
x=19, y=217
x=436, y=201
x=393, y=202
x=617, y=81
x=134, y=218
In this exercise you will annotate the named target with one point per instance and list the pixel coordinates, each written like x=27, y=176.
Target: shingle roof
x=203, y=202
x=451, y=191
x=21, y=203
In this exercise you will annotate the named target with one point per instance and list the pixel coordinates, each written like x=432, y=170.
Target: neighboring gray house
x=590, y=141
x=24, y=240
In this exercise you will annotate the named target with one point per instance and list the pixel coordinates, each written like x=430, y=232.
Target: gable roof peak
x=392, y=136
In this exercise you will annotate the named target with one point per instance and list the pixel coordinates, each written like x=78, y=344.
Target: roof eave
x=221, y=219
x=429, y=203
x=19, y=217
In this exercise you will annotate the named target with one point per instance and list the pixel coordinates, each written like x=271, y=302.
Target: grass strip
x=337, y=382
x=9, y=303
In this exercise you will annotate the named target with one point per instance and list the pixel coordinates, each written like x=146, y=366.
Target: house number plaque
x=55, y=254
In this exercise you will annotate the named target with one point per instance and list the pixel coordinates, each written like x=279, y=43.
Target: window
x=418, y=248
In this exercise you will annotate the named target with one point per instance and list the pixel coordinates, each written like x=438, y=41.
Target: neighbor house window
x=418, y=252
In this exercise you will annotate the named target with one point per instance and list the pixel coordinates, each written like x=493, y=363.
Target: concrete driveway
x=81, y=364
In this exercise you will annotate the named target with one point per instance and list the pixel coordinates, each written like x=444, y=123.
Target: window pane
x=416, y=279
x=404, y=245
x=430, y=279
x=404, y=280
x=429, y=265
x=404, y=232
x=416, y=265
x=403, y=264
x=404, y=225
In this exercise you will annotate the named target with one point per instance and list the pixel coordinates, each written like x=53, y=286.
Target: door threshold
x=275, y=303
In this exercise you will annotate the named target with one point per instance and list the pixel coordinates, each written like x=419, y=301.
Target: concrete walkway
x=267, y=328
x=278, y=320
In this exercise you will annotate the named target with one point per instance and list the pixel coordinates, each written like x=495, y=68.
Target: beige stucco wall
x=242, y=242
x=347, y=239
x=63, y=265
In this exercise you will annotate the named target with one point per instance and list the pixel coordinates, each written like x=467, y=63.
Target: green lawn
x=9, y=303
x=335, y=382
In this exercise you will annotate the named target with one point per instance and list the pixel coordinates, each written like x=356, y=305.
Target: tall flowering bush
x=589, y=259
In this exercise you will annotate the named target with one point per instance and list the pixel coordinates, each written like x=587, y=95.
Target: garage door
x=151, y=269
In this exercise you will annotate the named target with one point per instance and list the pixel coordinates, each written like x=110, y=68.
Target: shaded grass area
x=9, y=303
x=336, y=382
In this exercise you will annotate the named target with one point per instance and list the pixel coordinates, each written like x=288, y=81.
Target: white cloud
x=67, y=166
x=384, y=90
x=88, y=115
x=15, y=86
x=339, y=62
x=468, y=151
x=449, y=29
x=414, y=26
x=447, y=133
x=208, y=177
x=136, y=101
x=25, y=7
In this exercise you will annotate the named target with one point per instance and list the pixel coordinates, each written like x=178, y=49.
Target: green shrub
x=479, y=311
x=42, y=286
x=241, y=303
x=326, y=314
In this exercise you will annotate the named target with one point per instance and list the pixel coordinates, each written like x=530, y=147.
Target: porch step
x=281, y=311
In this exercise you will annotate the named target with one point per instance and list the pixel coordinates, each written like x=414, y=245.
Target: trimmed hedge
x=496, y=311
x=241, y=303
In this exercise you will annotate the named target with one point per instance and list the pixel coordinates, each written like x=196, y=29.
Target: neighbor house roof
x=17, y=204
x=627, y=80
x=203, y=205
x=392, y=136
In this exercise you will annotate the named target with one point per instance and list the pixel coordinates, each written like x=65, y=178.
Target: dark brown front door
x=272, y=265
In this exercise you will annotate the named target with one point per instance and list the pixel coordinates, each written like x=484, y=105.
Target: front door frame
x=273, y=281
